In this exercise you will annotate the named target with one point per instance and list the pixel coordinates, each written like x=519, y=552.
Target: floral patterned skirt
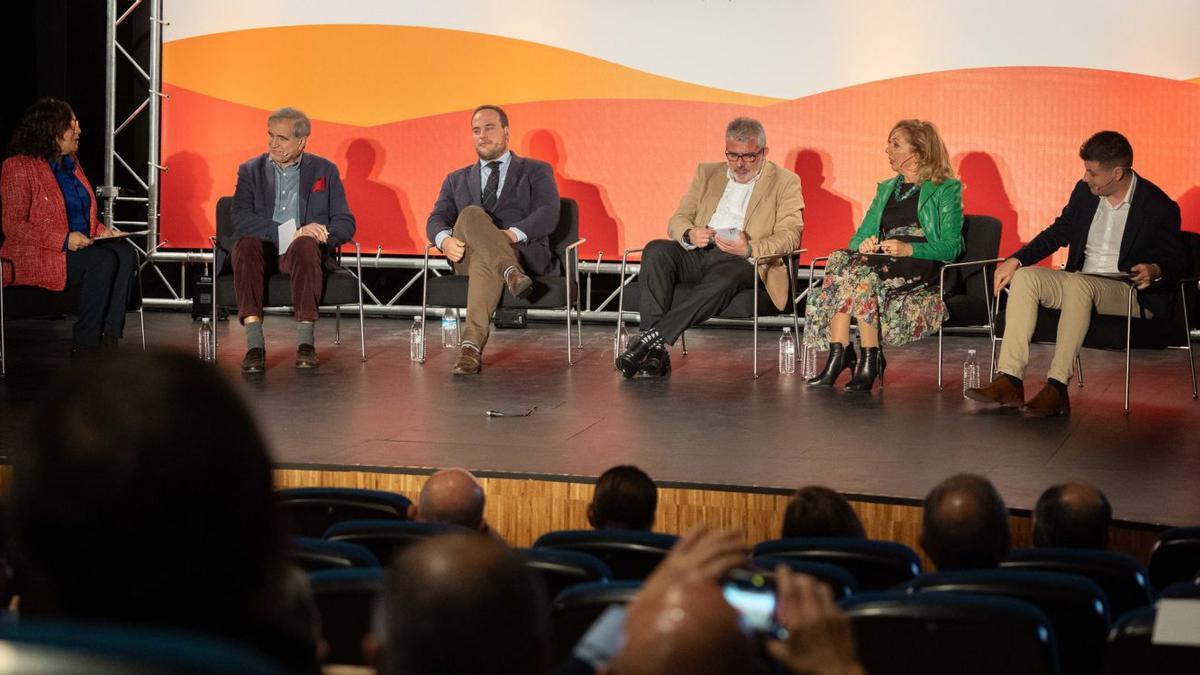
x=899, y=294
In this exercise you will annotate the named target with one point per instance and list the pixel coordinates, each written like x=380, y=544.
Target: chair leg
x=142, y=312
x=1128, y=344
x=570, y=355
x=1079, y=371
x=939, y=359
x=3, y=347
x=1187, y=341
x=756, y=323
x=683, y=342
x=337, y=325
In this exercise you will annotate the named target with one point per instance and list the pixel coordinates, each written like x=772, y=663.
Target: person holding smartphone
x=1119, y=229
x=50, y=226
x=887, y=278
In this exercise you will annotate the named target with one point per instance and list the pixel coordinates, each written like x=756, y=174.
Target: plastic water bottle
x=206, y=340
x=416, y=340
x=787, y=352
x=808, y=361
x=621, y=340
x=449, y=328
x=970, y=372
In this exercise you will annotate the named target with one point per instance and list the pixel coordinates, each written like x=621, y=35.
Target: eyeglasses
x=744, y=156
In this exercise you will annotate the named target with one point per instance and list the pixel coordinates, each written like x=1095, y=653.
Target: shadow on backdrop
x=381, y=211
x=828, y=216
x=984, y=195
x=601, y=229
x=190, y=211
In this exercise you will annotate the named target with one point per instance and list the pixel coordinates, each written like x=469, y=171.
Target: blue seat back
x=312, y=511
x=875, y=565
x=346, y=601
x=630, y=554
x=1123, y=579
x=386, y=538
x=1175, y=557
x=576, y=608
x=312, y=555
x=560, y=568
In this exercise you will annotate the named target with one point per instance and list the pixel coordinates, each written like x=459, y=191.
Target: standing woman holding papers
x=51, y=229
x=887, y=278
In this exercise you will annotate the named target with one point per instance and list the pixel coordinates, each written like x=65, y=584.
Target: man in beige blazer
x=734, y=211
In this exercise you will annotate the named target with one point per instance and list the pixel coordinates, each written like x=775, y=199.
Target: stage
x=710, y=425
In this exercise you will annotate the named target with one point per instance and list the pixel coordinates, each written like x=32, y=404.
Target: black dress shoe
x=841, y=357
x=631, y=359
x=870, y=366
x=656, y=364
x=306, y=357
x=255, y=360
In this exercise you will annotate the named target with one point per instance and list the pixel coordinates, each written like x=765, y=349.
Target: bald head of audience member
x=1072, y=515
x=688, y=627
x=463, y=603
x=965, y=524
x=452, y=496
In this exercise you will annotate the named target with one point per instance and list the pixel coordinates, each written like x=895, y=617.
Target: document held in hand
x=287, y=232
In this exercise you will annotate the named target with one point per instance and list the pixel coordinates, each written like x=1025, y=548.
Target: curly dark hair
x=40, y=128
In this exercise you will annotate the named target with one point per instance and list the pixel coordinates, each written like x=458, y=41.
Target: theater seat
x=1123, y=579
x=578, y=607
x=311, y=554
x=1175, y=557
x=875, y=565
x=560, y=568
x=76, y=648
x=346, y=601
x=630, y=554
x=1075, y=606
x=311, y=511
x=840, y=581
x=1130, y=650
x=386, y=538
x=950, y=634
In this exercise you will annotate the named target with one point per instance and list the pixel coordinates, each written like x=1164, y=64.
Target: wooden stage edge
x=521, y=507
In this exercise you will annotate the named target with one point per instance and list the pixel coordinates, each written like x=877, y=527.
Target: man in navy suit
x=1120, y=229
x=283, y=184
x=493, y=220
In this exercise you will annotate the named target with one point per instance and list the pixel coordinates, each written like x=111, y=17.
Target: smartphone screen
x=756, y=606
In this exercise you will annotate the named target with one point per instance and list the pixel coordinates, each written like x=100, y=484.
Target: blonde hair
x=927, y=143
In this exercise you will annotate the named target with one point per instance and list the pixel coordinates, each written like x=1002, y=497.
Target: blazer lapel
x=308, y=172
x=760, y=188
x=927, y=190
x=1133, y=223
x=268, y=170
x=516, y=167
x=473, y=178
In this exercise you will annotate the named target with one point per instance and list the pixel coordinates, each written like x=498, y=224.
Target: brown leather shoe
x=255, y=360
x=306, y=357
x=469, y=362
x=517, y=282
x=1001, y=390
x=1049, y=402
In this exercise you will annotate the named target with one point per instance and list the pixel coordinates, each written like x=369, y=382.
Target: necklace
x=897, y=195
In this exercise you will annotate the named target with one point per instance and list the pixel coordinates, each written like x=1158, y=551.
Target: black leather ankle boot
x=840, y=357
x=871, y=365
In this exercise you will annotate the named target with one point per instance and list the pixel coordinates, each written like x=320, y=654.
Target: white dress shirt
x=1104, y=236
x=731, y=210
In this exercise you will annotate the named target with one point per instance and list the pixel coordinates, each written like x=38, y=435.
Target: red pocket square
x=319, y=185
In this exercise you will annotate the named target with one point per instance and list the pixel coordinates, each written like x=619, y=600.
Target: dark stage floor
x=708, y=423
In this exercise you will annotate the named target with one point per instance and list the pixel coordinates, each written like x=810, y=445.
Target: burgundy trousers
x=255, y=260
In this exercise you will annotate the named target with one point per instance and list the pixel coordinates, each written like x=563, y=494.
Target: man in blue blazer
x=283, y=184
x=493, y=220
x=1120, y=229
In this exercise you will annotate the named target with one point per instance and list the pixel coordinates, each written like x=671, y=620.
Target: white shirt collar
x=503, y=159
x=1127, y=199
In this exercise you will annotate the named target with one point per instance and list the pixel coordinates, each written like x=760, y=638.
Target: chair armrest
x=969, y=263
x=576, y=245
x=758, y=260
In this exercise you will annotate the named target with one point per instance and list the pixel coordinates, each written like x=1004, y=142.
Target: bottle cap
x=787, y=329
x=971, y=352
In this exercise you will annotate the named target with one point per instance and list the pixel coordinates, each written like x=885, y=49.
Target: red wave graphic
x=1014, y=134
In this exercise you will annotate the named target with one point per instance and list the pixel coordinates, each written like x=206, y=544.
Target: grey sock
x=304, y=332
x=254, y=336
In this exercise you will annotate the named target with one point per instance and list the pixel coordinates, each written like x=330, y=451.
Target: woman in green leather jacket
x=887, y=278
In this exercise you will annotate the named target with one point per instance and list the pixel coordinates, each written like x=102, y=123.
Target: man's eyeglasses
x=744, y=156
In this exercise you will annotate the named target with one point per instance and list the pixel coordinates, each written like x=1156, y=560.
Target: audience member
x=1072, y=515
x=680, y=622
x=454, y=497
x=128, y=507
x=817, y=511
x=463, y=604
x=965, y=524
x=625, y=498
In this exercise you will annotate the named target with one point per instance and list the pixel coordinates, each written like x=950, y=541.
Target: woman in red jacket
x=52, y=237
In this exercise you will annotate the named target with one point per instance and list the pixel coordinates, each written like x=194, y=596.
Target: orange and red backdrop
x=623, y=98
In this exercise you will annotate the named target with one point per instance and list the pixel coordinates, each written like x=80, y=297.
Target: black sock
x=1060, y=386
x=651, y=337
x=1014, y=381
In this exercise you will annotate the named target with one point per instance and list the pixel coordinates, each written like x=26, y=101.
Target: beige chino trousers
x=489, y=253
x=1075, y=296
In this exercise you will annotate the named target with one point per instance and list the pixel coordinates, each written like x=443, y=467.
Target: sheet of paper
x=287, y=232
x=1177, y=622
